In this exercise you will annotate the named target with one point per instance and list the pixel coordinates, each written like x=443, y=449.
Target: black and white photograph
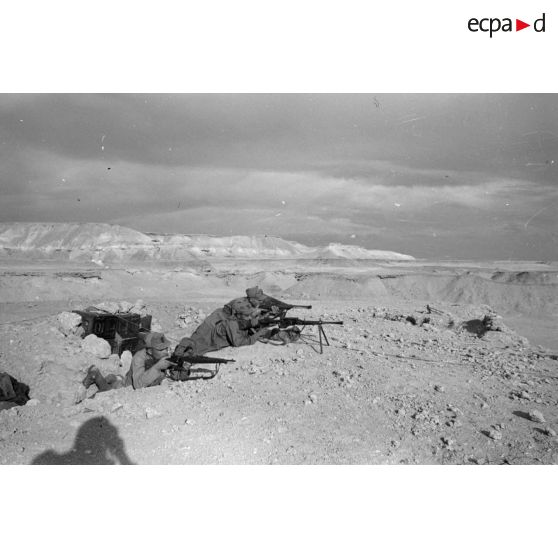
x=295, y=262
x=279, y=278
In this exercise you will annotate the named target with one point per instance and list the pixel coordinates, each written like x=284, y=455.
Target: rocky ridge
x=103, y=243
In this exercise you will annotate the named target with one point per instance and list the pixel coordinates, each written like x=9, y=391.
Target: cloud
x=55, y=186
x=395, y=168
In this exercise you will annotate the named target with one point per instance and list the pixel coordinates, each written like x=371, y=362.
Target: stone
x=94, y=405
x=494, y=434
x=111, y=307
x=439, y=388
x=110, y=365
x=125, y=306
x=549, y=432
x=69, y=322
x=32, y=402
x=90, y=391
x=57, y=382
x=96, y=346
x=151, y=413
x=455, y=410
x=139, y=308
x=536, y=416
x=125, y=361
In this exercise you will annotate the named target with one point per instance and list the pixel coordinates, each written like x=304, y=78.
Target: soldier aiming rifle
x=274, y=313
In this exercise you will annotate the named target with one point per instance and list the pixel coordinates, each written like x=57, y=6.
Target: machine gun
x=288, y=322
x=283, y=307
x=180, y=372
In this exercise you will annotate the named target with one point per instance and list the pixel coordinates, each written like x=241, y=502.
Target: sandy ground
x=386, y=391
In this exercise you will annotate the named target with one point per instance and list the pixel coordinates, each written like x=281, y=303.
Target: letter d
x=535, y=25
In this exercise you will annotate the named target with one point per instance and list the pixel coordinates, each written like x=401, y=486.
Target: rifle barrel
x=288, y=322
x=199, y=359
x=315, y=322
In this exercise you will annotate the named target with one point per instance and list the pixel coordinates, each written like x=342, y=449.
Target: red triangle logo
x=519, y=25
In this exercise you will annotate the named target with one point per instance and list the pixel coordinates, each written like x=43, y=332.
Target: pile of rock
x=421, y=317
x=51, y=356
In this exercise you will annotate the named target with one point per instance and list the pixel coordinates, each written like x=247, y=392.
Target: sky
x=436, y=176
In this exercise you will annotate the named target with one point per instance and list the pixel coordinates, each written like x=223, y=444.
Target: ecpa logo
x=494, y=24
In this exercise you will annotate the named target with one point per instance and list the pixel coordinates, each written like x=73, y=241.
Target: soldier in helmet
x=149, y=364
x=248, y=308
x=236, y=324
x=147, y=368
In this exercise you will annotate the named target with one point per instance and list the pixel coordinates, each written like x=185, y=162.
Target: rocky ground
x=401, y=383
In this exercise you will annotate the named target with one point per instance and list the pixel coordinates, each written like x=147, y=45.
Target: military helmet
x=255, y=292
x=156, y=340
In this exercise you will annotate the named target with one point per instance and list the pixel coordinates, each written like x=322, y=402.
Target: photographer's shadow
x=97, y=443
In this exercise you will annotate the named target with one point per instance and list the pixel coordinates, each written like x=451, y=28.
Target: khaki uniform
x=141, y=373
x=220, y=329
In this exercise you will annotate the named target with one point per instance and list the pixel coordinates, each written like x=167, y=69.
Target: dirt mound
x=336, y=250
x=330, y=286
x=469, y=288
x=526, y=277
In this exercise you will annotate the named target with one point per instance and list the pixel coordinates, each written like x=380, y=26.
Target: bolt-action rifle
x=285, y=322
x=181, y=372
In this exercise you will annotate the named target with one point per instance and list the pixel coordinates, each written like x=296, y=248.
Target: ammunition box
x=124, y=331
x=100, y=324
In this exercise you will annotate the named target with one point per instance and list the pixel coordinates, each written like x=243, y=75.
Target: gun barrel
x=288, y=322
x=199, y=359
x=316, y=322
x=270, y=301
x=207, y=360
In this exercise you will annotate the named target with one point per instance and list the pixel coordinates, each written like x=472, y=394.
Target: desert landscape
x=389, y=168
x=437, y=362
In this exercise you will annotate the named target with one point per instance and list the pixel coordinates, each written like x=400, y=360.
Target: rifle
x=283, y=307
x=182, y=373
x=284, y=322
